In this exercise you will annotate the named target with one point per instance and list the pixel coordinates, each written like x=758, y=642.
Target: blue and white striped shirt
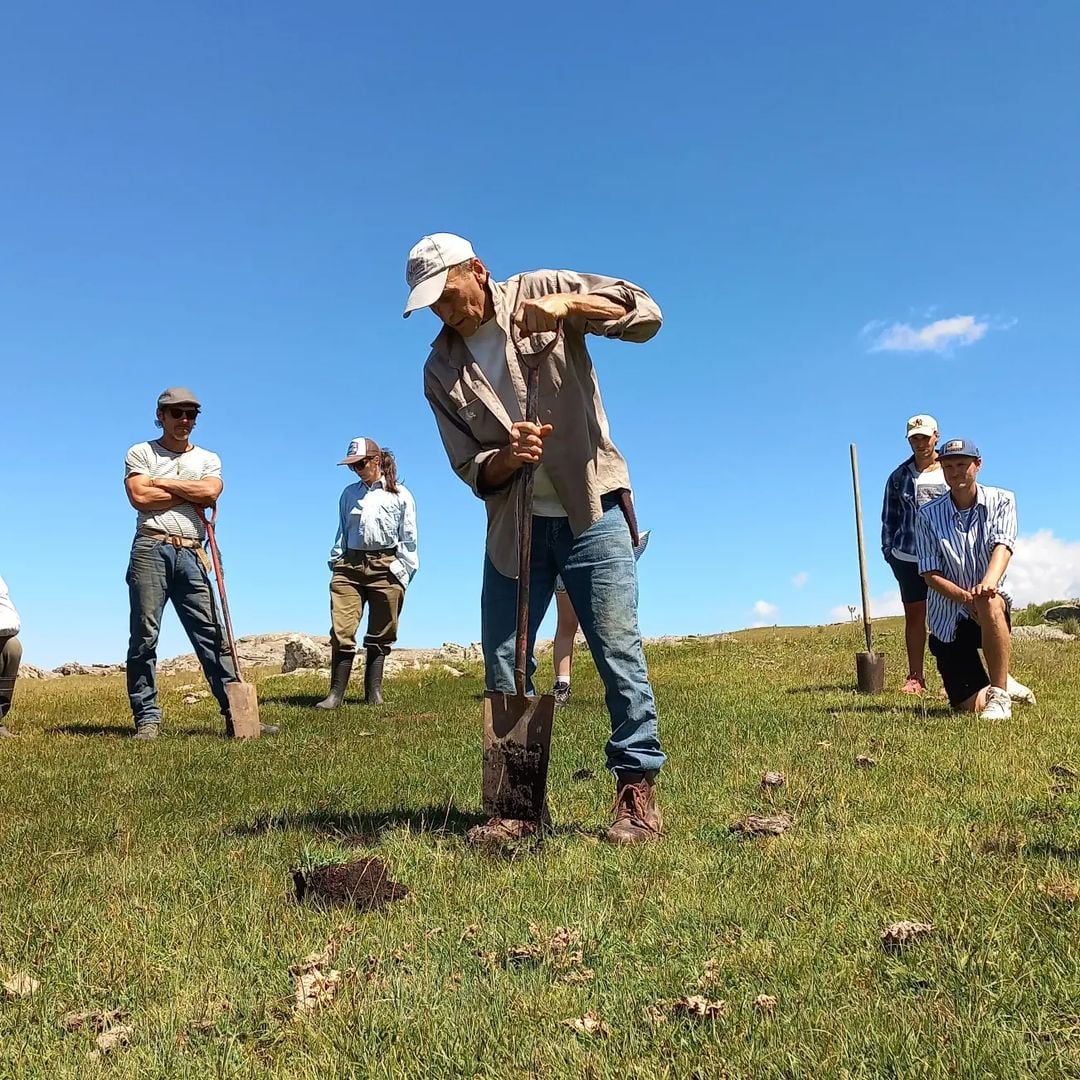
x=958, y=544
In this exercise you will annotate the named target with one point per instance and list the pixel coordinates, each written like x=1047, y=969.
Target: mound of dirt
x=362, y=883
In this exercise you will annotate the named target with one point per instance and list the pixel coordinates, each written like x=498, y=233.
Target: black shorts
x=912, y=586
x=959, y=663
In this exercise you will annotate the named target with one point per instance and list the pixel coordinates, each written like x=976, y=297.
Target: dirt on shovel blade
x=362, y=883
x=521, y=790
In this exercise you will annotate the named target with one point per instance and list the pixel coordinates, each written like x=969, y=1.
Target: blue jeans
x=600, y=575
x=158, y=572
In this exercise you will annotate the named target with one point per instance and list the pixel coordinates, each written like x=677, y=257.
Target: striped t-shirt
x=958, y=544
x=152, y=459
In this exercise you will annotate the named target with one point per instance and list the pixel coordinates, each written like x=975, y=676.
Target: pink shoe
x=913, y=686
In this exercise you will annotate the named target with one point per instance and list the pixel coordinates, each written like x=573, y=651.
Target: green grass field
x=154, y=878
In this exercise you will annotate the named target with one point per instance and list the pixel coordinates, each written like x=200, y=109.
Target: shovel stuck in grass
x=243, y=722
x=517, y=727
x=869, y=665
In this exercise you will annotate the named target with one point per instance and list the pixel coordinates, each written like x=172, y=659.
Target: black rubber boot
x=340, y=669
x=373, y=670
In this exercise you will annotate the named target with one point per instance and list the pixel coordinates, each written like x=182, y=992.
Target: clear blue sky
x=223, y=195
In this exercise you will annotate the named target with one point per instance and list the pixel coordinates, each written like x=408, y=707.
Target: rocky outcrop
x=73, y=667
x=28, y=671
x=1063, y=612
x=303, y=652
x=295, y=654
x=1041, y=633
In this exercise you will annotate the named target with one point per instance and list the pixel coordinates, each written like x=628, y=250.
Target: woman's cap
x=360, y=449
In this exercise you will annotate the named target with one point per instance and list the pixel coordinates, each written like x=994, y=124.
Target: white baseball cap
x=429, y=263
x=922, y=424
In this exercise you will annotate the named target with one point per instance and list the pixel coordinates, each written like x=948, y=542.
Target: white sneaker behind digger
x=998, y=705
x=1019, y=692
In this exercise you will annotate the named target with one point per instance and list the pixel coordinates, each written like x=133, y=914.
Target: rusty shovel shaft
x=209, y=514
x=525, y=503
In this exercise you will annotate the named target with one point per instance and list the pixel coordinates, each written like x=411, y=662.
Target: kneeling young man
x=964, y=541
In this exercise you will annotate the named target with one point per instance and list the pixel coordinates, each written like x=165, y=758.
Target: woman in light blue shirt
x=372, y=561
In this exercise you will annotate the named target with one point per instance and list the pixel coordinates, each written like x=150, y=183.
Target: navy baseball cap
x=959, y=448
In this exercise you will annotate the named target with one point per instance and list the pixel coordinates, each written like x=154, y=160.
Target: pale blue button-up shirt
x=374, y=519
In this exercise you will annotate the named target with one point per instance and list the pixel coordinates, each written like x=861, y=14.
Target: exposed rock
x=28, y=671
x=452, y=651
x=73, y=667
x=303, y=652
x=1063, y=612
x=1041, y=633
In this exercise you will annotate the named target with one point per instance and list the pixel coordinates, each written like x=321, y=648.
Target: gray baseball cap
x=178, y=395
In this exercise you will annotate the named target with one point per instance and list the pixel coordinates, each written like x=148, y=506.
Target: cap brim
x=920, y=431
x=353, y=460
x=426, y=293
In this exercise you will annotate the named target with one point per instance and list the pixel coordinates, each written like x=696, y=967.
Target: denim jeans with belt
x=158, y=572
x=600, y=575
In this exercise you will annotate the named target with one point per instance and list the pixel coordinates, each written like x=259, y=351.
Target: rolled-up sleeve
x=340, y=539
x=1003, y=523
x=642, y=319
x=926, y=545
x=466, y=455
x=407, y=555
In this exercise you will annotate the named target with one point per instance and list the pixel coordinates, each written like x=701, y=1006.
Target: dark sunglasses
x=184, y=414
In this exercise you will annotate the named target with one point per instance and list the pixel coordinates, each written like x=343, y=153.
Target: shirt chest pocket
x=376, y=522
x=482, y=423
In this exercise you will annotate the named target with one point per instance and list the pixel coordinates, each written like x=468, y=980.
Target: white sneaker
x=1019, y=692
x=998, y=706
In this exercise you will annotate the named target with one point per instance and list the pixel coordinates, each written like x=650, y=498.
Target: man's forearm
x=153, y=498
x=595, y=308
x=198, y=492
x=941, y=584
x=498, y=469
x=999, y=562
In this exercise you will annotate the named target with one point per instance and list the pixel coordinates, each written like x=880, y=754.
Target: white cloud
x=881, y=606
x=938, y=336
x=1044, y=567
x=800, y=579
x=763, y=608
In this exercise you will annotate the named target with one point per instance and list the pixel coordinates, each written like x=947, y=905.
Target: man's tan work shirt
x=581, y=460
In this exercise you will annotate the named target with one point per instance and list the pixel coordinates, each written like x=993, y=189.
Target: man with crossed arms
x=169, y=480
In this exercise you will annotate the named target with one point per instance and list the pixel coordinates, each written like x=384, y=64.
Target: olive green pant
x=364, y=578
x=10, y=657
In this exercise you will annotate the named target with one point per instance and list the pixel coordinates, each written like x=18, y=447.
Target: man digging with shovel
x=495, y=335
x=169, y=480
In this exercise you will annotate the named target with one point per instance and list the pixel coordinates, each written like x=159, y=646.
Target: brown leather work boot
x=637, y=813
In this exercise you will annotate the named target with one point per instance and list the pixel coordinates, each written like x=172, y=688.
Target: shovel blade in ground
x=243, y=710
x=517, y=748
x=870, y=672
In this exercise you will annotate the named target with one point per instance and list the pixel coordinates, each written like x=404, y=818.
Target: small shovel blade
x=243, y=710
x=517, y=748
x=870, y=672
